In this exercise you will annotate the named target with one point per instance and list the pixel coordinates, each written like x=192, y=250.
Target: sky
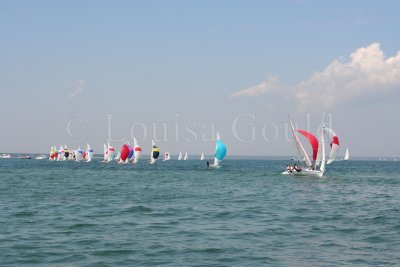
x=77, y=72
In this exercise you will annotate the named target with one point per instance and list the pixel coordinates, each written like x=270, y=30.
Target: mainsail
x=300, y=149
x=347, y=155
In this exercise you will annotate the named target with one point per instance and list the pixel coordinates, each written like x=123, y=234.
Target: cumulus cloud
x=368, y=72
x=77, y=88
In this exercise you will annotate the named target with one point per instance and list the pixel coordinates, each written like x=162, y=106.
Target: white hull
x=305, y=172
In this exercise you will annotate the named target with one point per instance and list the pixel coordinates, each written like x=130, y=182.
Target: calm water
x=182, y=214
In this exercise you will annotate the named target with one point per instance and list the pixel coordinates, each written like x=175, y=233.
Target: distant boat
x=202, y=156
x=347, y=155
x=111, y=153
x=155, y=153
x=66, y=152
x=186, y=156
x=79, y=154
x=5, y=156
x=220, y=153
x=41, y=157
x=89, y=153
x=167, y=156
x=25, y=157
x=180, y=156
x=105, y=153
x=137, y=151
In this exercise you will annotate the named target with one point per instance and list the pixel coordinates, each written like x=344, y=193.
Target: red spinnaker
x=313, y=141
x=124, y=152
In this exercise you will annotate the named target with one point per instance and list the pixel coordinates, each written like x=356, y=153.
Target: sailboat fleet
x=128, y=153
x=313, y=164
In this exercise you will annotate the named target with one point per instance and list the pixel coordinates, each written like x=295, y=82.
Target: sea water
x=180, y=213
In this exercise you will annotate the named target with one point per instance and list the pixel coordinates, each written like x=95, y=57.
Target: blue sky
x=181, y=62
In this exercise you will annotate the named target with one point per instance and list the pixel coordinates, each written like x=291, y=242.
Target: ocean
x=179, y=213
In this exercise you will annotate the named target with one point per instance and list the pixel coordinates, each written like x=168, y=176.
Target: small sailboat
x=78, y=154
x=155, y=153
x=89, y=153
x=60, y=154
x=137, y=151
x=334, y=144
x=186, y=156
x=105, y=153
x=167, y=156
x=202, y=156
x=346, y=155
x=180, y=156
x=66, y=153
x=318, y=154
x=111, y=153
x=53, y=153
x=220, y=153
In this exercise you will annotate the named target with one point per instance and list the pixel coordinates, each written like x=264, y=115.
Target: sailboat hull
x=305, y=172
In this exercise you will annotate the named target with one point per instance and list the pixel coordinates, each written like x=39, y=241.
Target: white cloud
x=77, y=88
x=368, y=72
x=270, y=84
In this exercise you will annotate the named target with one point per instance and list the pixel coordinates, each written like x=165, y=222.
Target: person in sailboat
x=208, y=163
x=297, y=168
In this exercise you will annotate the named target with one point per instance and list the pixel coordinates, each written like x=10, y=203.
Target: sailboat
x=318, y=154
x=137, y=151
x=111, y=153
x=60, y=154
x=155, y=153
x=202, y=156
x=220, y=153
x=167, y=156
x=66, y=153
x=180, y=156
x=186, y=156
x=347, y=155
x=79, y=154
x=105, y=153
x=89, y=153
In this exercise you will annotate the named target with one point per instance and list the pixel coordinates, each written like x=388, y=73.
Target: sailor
x=208, y=163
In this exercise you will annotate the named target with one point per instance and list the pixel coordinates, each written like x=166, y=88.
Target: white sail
x=186, y=156
x=105, y=152
x=180, y=156
x=347, y=155
x=202, y=156
x=300, y=149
